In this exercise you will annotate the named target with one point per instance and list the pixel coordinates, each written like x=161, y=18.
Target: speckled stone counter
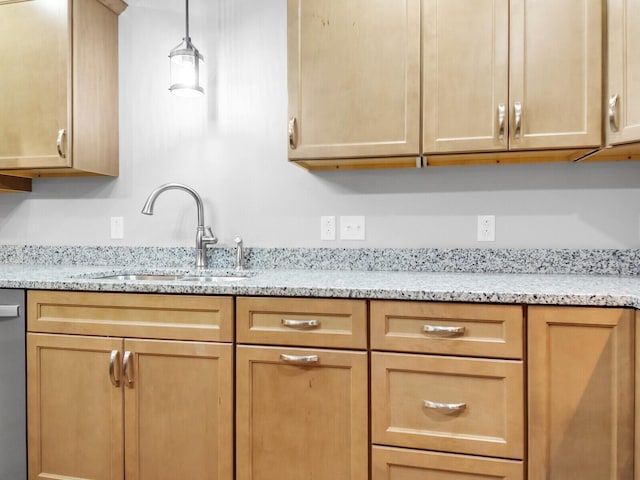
x=555, y=289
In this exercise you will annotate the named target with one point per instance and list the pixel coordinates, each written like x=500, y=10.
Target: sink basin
x=213, y=278
x=157, y=277
x=186, y=277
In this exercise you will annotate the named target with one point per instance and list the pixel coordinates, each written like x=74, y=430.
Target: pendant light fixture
x=185, y=61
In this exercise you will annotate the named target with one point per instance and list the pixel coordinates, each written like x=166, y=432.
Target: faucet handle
x=209, y=237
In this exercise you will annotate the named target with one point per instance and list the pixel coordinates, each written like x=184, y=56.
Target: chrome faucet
x=202, y=239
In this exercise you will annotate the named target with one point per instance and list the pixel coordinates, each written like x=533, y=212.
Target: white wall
x=231, y=147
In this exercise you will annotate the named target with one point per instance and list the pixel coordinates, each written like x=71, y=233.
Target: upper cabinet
x=59, y=87
x=511, y=75
x=493, y=76
x=354, y=79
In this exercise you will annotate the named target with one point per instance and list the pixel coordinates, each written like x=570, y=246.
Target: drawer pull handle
x=299, y=359
x=300, y=324
x=293, y=134
x=127, y=369
x=446, y=407
x=9, y=311
x=502, y=113
x=442, y=331
x=61, y=133
x=115, y=355
x=517, y=109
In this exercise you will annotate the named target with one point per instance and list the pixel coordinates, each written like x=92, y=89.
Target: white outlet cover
x=486, y=228
x=117, y=228
x=352, y=228
x=328, y=227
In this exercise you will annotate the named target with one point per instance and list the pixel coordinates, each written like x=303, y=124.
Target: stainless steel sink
x=168, y=277
x=213, y=278
x=156, y=277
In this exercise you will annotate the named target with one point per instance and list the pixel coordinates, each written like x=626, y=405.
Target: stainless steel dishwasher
x=13, y=424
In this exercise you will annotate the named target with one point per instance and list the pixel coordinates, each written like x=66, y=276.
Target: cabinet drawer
x=401, y=464
x=447, y=328
x=171, y=317
x=486, y=400
x=302, y=321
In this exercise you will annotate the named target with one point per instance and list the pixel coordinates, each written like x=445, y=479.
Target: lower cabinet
x=581, y=393
x=301, y=413
x=109, y=408
x=142, y=387
x=401, y=464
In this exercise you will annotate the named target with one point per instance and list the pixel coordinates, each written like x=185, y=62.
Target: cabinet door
x=307, y=420
x=354, y=78
x=556, y=71
x=580, y=393
x=33, y=91
x=75, y=412
x=623, y=118
x=465, y=75
x=179, y=410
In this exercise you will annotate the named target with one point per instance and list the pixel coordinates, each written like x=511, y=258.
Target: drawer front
x=171, y=317
x=450, y=404
x=301, y=321
x=401, y=464
x=448, y=328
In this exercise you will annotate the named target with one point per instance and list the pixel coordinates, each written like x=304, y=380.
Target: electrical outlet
x=352, y=228
x=328, y=227
x=117, y=228
x=486, y=228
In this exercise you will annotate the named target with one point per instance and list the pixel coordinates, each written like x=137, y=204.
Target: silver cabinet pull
x=61, y=134
x=127, y=369
x=115, y=356
x=300, y=324
x=502, y=113
x=445, y=407
x=613, y=113
x=7, y=311
x=293, y=134
x=443, y=331
x=299, y=359
x=517, y=111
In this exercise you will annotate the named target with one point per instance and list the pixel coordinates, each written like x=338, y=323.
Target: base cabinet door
x=110, y=408
x=581, y=400
x=178, y=410
x=301, y=414
x=75, y=412
x=403, y=464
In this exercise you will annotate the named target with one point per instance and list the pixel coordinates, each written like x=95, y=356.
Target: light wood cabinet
x=390, y=463
x=301, y=412
x=59, y=90
x=449, y=414
x=521, y=78
x=113, y=407
x=581, y=393
x=511, y=75
x=354, y=79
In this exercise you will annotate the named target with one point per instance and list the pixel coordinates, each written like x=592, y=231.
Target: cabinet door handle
x=502, y=113
x=9, y=311
x=300, y=324
x=517, y=112
x=299, y=359
x=613, y=113
x=293, y=133
x=443, y=331
x=128, y=375
x=445, y=407
x=61, y=134
x=115, y=356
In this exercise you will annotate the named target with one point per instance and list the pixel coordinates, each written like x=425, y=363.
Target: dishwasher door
x=13, y=424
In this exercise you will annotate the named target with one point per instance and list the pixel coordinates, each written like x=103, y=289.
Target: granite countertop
x=554, y=289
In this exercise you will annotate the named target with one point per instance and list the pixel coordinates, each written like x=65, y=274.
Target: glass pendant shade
x=185, y=62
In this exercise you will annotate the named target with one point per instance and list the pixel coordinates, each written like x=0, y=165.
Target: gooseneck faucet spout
x=202, y=239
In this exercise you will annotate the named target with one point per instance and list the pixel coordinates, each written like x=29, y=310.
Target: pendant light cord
x=187, y=16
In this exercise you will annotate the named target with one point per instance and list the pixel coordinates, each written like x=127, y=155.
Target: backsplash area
x=454, y=260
